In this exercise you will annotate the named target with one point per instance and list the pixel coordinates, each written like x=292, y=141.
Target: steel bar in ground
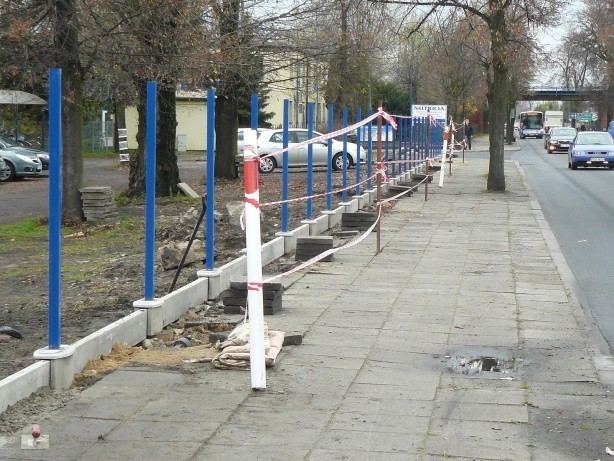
x=210, y=228
x=55, y=207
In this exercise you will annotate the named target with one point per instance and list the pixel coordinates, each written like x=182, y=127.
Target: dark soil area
x=102, y=265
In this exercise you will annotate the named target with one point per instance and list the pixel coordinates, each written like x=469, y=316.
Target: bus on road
x=531, y=124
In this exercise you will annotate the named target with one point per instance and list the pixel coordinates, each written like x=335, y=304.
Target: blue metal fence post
x=396, y=152
x=345, y=156
x=412, y=150
x=358, y=118
x=284, y=179
x=394, y=148
x=369, y=149
x=310, y=107
x=329, y=169
x=403, y=145
x=55, y=207
x=150, y=189
x=387, y=146
x=210, y=200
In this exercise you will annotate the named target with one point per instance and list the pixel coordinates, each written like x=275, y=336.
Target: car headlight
x=23, y=158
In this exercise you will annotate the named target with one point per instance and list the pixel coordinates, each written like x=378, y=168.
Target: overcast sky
x=550, y=38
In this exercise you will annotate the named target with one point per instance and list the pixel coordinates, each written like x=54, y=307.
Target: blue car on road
x=591, y=149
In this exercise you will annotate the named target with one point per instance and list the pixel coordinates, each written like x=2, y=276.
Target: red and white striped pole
x=444, y=155
x=254, y=262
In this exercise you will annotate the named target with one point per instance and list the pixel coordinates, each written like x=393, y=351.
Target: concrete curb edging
x=25, y=382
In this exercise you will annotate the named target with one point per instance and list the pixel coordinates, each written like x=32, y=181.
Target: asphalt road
x=579, y=208
x=29, y=198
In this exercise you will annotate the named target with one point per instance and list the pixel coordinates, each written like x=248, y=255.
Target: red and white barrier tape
x=334, y=134
x=355, y=241
x=323, y=194
x=409, y=189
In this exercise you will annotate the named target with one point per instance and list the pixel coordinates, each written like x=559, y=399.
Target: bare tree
x=499, y=17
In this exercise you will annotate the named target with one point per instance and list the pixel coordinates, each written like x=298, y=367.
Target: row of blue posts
x=409, y=144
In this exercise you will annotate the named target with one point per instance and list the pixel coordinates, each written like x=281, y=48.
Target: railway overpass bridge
x=597, y=95
x=563, y=94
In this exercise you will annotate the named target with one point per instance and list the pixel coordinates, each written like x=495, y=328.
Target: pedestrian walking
x=468, y=134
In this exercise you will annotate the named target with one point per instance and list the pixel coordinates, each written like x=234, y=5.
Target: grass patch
x=24, y=229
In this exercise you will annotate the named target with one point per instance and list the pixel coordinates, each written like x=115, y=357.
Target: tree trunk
x=499, y=95
x=119, y=122
x=136, y=178
x=229, y=92
x=67, y=46
x=167, y=171
x=226, y=122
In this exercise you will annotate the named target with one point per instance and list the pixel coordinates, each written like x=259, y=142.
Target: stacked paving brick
x=358, y=220
x=98, y=204
x=308, y=247
x=235, y=298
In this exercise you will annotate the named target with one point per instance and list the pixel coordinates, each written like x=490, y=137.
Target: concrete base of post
x=60, y=376
x=350, y=207
x=363, y=200
x=372, y=195
x=317, y=225
x=214, y=277
x=155, y=314
x=334, y=216
x=291, y=236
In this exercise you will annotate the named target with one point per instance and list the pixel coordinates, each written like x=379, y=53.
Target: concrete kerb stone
x=219, y=279
x=25, y=382
x=129, y=330
x=334, y=216
x=155, y=315
x=273, y=250
x=291, y=236
x=350, y=207
x=318, y=225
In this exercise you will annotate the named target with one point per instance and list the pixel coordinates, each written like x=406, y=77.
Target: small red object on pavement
x=36, y=431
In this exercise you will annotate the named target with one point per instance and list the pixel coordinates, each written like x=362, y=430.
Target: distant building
x=299, y=85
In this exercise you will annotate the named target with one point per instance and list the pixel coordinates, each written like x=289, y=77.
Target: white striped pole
x=254, y=262
x=446, y=133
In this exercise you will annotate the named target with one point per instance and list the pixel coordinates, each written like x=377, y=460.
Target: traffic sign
x=586, y=117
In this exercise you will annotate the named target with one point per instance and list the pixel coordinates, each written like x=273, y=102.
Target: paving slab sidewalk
x=465, y=276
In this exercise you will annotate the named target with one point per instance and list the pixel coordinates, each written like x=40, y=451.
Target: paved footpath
x=468, y=277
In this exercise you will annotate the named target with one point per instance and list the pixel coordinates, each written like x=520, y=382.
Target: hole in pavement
x=472, y=362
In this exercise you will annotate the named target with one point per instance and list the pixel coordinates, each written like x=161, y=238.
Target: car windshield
x=7, y=141
x=594, y=138
x=563, y=132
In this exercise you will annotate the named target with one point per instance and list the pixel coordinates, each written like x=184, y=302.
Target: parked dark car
x=6, y=143
x=558, y=138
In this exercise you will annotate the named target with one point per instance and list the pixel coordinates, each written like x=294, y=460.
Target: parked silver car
x=4, y=170
x=20, y=165
x=6, y=143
